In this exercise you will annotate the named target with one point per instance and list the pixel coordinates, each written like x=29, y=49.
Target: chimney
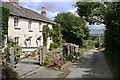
x=14, y=2
x=43, y=12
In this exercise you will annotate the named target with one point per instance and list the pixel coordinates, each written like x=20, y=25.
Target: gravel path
x=93, y=65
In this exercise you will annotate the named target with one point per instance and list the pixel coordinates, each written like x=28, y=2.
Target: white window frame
x=40, y=26
x=17, y=40
x=30, y=24
x=16, y=22
x=30, y=41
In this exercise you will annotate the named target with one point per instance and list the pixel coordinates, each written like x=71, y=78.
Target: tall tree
x=107, y=13
x=56, y=33
x=91, y=11
x=112, y=33
x=73, y=28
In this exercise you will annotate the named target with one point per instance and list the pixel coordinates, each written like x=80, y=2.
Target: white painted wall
x=23, y=33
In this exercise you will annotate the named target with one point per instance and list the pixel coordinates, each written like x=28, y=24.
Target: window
x=17, y=40
x=29, y=24
x=40, y=27
x=30, y=41
x=15, y=21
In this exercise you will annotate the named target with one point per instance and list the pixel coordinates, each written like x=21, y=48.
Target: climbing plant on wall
x=45, y=34
x=4, y=14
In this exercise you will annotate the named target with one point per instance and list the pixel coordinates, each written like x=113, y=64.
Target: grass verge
x=84, y=50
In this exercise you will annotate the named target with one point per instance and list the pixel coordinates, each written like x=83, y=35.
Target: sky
x=54, y=7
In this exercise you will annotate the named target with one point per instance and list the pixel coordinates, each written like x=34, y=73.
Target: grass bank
x=84, y=49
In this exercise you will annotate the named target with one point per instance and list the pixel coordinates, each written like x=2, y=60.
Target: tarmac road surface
x=93, y=65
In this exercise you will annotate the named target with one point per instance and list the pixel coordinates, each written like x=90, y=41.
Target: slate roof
x=25, y=13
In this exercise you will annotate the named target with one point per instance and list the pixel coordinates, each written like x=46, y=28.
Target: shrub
x=9, y=73
x=10, y=44
x=45, y=63
x=54, y=45
x=72, y=56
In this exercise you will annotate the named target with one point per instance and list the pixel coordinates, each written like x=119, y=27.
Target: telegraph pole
x=99, y=41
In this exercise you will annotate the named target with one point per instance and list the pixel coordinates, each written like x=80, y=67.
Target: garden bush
x=9, y=73
x=54, y=45
x=73, y=56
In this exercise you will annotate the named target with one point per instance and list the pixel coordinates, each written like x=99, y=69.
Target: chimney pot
x=43, y=11
x=14, y=2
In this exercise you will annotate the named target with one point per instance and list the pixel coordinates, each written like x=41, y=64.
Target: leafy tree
x=56, y=35
x=91, y=11
x=73, y=27
x=112, y=33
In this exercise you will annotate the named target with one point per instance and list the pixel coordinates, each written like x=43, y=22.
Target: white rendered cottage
x=25, y=26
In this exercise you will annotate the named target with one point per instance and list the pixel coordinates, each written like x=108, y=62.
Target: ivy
x=45, y=34
x=4, y=14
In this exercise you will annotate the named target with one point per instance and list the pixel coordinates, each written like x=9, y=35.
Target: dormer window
x=15, y=21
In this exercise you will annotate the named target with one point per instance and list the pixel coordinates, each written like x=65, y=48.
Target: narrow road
x=93, y=65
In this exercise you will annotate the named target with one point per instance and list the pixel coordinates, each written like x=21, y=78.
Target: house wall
x=24, y=33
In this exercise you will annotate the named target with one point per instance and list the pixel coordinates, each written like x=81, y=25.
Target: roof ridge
x=34, y=12
x=27, y=13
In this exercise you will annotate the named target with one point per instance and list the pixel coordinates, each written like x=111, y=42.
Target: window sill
x=30, y=30
x=17, y=28
x=40, y=31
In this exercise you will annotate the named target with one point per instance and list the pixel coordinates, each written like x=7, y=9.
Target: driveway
x=93, y=65
x=28, y=68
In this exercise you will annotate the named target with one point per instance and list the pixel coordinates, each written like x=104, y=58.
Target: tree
x=91, y=11
x=73, y=27
x=110, y=14
x=112, y=33
x=56, y=35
